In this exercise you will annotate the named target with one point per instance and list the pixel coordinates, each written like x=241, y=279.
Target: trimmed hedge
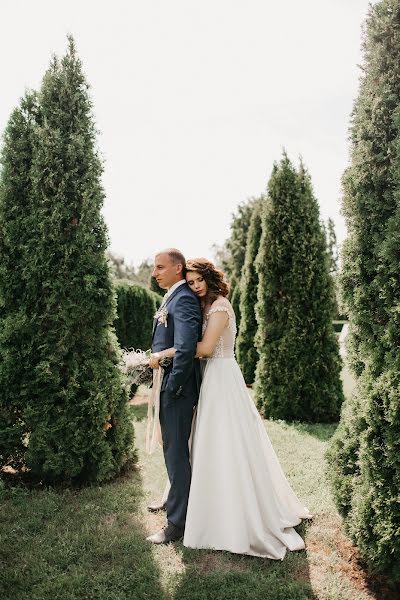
x=136, y=306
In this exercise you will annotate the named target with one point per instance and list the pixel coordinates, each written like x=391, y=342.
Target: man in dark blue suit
x=177, y=325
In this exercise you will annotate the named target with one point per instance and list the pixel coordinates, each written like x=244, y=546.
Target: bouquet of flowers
x=136, y=366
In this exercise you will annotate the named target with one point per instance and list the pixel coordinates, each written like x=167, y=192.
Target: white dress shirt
x=172, y=289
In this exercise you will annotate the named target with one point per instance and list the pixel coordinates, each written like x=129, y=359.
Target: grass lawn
x=90, y=544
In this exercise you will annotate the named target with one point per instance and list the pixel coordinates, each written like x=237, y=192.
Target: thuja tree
x=365, y=451
x=333, y=252
x=235, y=251
x=245, y=346
x=59, y=353
x=17, y=218
x=333, y=257
x=298, y=373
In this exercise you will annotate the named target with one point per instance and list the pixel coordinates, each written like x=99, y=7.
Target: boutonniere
x=162, y=316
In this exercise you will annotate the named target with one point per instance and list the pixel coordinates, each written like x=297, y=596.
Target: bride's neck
x=206, y=302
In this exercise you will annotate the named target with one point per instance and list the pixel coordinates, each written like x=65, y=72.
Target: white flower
x=162, y=315
x=135, y=358
x=135, y=366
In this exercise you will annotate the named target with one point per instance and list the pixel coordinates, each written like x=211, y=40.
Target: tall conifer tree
x=365, y=451
x=298, y=373
x=245, y=346
x=17, y=218
x=236, y=251
x=332, y=247
x=59, y=353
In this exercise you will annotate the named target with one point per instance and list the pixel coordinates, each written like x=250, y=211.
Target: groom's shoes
x=157, y=507
x=169, y=533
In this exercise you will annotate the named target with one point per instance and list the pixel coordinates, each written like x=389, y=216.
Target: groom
x=177, y=324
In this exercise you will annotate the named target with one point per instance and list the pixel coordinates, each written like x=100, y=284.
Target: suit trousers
x=176, y=414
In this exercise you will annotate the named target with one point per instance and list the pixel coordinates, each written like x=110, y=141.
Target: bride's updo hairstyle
x=213, y=277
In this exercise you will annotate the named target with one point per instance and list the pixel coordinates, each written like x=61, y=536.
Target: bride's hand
x=154, y=361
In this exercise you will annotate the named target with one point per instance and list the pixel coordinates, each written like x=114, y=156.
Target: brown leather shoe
x=156, y=507
x=167, y=534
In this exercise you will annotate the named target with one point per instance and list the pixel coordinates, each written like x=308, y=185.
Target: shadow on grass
x=76, y=543
x=214, y=574
x=322, y=431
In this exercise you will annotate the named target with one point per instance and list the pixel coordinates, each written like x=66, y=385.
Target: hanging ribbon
x=153, y=430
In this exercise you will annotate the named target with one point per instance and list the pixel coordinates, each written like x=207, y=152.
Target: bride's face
x=197, y=283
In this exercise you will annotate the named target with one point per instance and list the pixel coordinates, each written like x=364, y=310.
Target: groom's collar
x=172, y=292
x=173, y=288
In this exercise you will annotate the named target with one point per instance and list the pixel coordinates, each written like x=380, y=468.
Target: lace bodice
x=225, y=347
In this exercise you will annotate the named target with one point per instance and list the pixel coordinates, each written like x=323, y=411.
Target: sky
x=195, y=101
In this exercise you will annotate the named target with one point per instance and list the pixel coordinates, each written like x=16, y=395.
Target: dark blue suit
x=179, y=393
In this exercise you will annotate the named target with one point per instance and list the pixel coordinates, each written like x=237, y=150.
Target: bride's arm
x=215, y=326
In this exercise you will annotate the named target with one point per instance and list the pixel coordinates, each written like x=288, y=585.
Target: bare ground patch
x=331, y=550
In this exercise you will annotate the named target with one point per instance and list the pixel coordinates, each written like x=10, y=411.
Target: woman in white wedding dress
x=240, y=499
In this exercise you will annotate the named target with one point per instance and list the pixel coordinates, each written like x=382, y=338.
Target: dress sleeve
x=220, y=309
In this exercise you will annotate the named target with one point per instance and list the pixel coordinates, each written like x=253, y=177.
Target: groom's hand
x=154, y=361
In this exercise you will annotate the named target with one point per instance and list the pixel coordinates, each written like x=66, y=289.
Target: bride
x=240, y=499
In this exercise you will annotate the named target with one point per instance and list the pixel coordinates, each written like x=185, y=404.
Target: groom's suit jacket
x=182, y=332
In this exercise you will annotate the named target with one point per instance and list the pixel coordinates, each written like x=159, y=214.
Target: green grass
x=72, y=544
x=322, y=572
x=75, y=544
x=138, y=412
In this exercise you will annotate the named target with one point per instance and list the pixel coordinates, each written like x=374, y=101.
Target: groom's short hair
x=177, y=258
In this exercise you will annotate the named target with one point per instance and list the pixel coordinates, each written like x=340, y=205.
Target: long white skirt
x=240, y=499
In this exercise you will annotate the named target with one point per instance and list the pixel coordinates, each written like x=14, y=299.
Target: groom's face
x=165, y=271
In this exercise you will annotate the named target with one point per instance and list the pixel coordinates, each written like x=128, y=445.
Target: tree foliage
x=118, y=267
x=333, y=251
x=245, y=346
x=17, y=217
x=156, y=288
x=135, y=310
x=61, y=391
x=333, y=258
x=234, y=251
x=298, y=372
x=365, y=451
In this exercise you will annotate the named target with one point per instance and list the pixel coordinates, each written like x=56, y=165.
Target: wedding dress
x=240, y=499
